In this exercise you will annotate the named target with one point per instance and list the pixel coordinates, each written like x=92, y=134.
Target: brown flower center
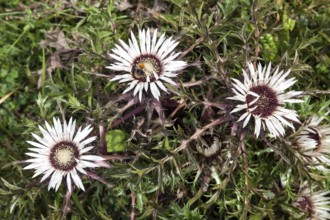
x=266, y=103
x=63, y=156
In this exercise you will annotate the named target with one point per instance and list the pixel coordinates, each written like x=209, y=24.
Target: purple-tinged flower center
x=266, y=103
x=306, y=205
x=63, y=156
x=146, y=66
x=315, y=136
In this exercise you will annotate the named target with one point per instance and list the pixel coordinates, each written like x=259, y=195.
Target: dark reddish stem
x=127, y=116
x=133, y=206
x=256, y=33
x=65, y=207
x=246, y=170
x=200, y=131
x=103, y=143
x=98, y=178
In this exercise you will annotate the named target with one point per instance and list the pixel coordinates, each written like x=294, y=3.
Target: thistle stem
x=199, y=132
x=246, y=170
x=127, y=116
x=133, y=206
x=66, y=208
x=256, y=33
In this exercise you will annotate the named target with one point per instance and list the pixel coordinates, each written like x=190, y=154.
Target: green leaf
x=139, y=201
x=116, y=140
x=10, y=186
x=78, y=204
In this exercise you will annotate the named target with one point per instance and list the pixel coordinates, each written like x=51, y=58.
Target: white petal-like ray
x=159, y=43
x=80, y=167
x=131, y=86
x=87, y=141
x=135, y=43
x=39, y=139
x=127, y=48
x=161, y=85
x=148, y=43
x=168, y=80
x=153, y=42
x=68, y=182
x=37, y=144
x=128, y=79
x=172, y=57
x=55, y=180
x=142, y=39
x=86, y=149
x=34, y=164
x=83, y=134
x=91, y=157
x=258, y=126
x=247, y=119
x=141, y=91
x=154, y=90
x=120, y=59
x=47, y=174
x=120, y=77
x=77, y=180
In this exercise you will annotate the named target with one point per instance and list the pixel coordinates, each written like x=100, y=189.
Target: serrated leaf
x=78, y=204
x=10, y=186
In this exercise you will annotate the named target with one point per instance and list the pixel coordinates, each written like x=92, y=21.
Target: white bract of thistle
x=262, y=96
x=313, y=143
x=149, y=62
x=314, y=204
x=60, y=152
x=209, y=149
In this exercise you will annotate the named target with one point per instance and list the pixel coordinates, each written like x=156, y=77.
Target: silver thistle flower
x=148, y=61
x=60, y=153
x=262, y=96
x=314, y=204
x=313, y=143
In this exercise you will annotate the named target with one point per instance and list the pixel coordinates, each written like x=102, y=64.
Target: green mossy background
x=53, y=56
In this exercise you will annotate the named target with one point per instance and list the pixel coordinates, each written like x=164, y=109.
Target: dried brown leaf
x=56, y=39
x=59, y=59
x=123, y=5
